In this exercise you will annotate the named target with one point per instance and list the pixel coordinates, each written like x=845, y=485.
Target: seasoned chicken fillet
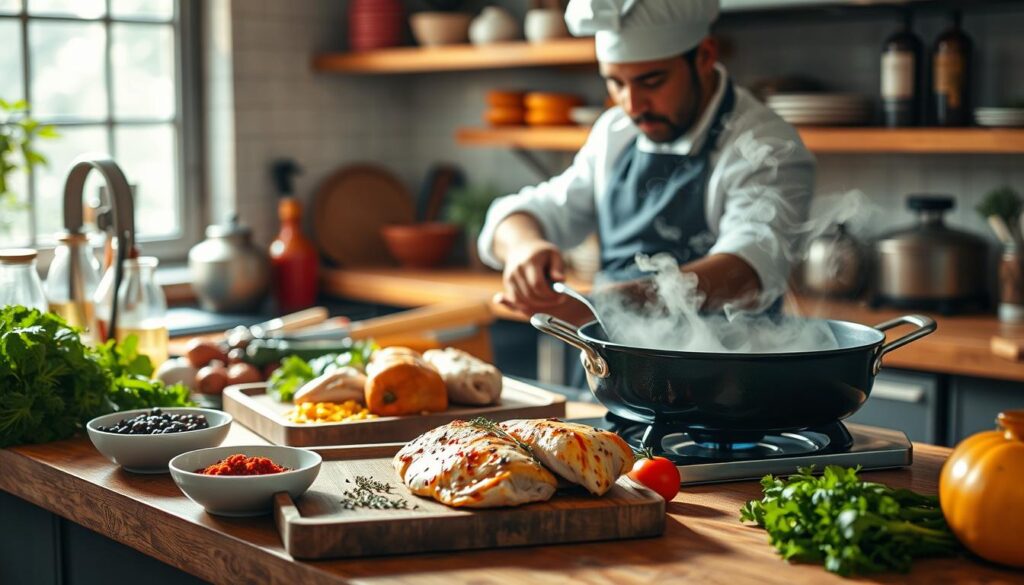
x=469, y=379
x=462, y=465
x=592, y=458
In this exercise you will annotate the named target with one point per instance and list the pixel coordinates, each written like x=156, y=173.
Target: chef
x=685, y=163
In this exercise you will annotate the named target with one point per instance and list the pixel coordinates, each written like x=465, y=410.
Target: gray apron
x=655, y=203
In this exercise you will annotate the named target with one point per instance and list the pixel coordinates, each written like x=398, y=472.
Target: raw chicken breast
x=469, y=380
x=463, y=465
x=592, y=458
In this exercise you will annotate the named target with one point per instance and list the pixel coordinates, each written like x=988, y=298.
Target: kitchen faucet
x=118, y=218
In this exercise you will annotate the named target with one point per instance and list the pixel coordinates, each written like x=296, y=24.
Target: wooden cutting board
x=350, y=208
x=317, y=526
x=253, y=407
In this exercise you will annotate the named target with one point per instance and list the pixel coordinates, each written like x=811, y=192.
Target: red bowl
x=420, y=245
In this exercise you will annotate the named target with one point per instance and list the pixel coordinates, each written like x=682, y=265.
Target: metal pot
x=229, y=274
x=930, y=265
x=734, y=397
x=835, y=265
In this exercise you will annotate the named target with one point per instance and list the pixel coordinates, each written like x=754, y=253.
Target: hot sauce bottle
x=293, y=258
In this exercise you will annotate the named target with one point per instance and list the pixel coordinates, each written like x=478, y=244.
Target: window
x=109, y=75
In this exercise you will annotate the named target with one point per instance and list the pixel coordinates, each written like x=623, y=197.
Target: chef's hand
x=530, y=270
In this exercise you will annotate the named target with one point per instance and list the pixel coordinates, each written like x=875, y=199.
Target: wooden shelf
x=817, y=139
x=459, y=57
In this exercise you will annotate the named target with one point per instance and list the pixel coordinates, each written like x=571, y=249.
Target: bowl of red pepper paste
x=242, y=480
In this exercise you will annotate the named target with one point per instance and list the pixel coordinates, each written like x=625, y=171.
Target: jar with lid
x=141, y=307
x=19, y=280
x=71, y=283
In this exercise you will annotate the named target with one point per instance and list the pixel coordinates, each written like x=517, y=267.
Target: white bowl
x=150, y=453
x=244, y=495
x=585, y=115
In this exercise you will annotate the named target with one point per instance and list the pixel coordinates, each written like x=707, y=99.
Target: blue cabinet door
x=907, y=401
x=975, y=403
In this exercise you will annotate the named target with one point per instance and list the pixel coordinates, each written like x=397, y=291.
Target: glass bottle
x=141, y=307
x=19, y=280
x=71, y=283
x=951, y=76
x=901, y=77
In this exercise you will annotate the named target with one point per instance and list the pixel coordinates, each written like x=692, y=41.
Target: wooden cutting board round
x=350, y=208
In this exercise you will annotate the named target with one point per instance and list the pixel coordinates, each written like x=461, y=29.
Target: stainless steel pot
x=734, y=397
x=835, y=266
x=930, y=265
x=229, y=274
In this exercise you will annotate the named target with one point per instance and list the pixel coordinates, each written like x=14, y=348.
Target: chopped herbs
x=850, y=525
x=373, y=494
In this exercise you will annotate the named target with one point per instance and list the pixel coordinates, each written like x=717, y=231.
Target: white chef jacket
x=756, y=201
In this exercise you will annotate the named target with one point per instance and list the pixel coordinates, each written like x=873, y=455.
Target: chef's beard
x=688, y=114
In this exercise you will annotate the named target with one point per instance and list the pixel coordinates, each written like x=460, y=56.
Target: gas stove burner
x=782, y=445
x=701, y=461
x=714, y=446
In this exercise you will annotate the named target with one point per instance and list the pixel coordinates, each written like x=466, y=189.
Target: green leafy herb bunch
x=850, y=525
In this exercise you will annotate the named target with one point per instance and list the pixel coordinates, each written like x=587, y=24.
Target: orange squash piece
x=399, y=382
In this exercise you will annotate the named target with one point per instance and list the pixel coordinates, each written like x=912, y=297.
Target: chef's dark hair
x=691, y=58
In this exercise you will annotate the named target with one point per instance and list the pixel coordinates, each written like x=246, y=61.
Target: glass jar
x=1011, y=285
x=71, y=283
x=19, y=280
x=141, y=307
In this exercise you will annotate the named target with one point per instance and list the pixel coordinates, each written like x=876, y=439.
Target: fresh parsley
x=51, y=383
x=850, y=525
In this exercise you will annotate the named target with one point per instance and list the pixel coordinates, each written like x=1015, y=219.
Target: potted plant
x=444, y=24
x=17, y=133
x=467, y=207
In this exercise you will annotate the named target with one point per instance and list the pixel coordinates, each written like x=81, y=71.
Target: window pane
x=143, y=71
x=61, y=152
x=10, y=60
x=79, y=8
x=67, y=70
x=155, y=9
x=148, y=156
x=10, y=7
x=14, y=218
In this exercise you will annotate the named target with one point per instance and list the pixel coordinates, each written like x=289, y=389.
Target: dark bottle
x=901, y=85
x=951, y=76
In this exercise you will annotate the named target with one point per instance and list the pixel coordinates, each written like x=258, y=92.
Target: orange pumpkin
x=981, y=491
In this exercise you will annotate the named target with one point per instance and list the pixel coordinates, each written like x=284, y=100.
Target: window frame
x=187, y=122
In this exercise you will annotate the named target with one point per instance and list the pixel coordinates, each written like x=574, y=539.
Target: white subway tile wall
x=281, y=108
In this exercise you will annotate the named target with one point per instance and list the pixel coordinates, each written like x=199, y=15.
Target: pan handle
x=925, y=326
x=555, y=327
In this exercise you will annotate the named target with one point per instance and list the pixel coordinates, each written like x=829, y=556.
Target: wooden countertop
x=704, y=541
x=961, y=345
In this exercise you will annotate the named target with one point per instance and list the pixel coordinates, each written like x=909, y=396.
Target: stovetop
x=703, y=462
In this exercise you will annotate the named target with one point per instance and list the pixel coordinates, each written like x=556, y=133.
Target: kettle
x=931, y=266
x=229, y=274
x=835, y=265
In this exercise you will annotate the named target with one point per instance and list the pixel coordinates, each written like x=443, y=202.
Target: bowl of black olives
x=143, y=441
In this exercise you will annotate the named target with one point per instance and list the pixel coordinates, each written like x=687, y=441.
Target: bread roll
x=399, y=382
x=469, y=380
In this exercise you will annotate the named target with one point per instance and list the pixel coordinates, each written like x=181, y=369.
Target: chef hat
x=626, y=31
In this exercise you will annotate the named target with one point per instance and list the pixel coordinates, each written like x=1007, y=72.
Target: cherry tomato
x=657, y=473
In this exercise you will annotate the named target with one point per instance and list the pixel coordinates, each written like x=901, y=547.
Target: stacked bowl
x=550, y=109
x=375, y=24
x=820, y=109
x=505, y=108
x=1000, y=117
